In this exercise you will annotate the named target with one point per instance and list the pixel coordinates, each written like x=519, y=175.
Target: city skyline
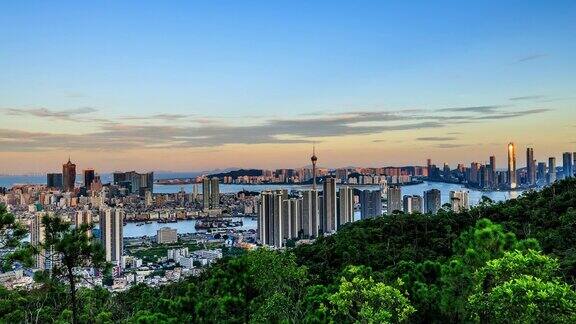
x=488, y=160
x=116, y=92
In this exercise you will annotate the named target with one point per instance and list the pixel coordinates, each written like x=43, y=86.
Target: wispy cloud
x=450, y=146
x=473, y=109
x=436, y=138
x=513, y=114
x=201, y=132
x=531, y=57
x=165, y=117
x=68, y=114
x=522, y=98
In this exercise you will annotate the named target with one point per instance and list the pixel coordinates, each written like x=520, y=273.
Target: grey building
x=432, y=201
x=370, y=203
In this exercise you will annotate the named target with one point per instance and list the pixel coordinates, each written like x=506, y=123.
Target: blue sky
x=246, y=62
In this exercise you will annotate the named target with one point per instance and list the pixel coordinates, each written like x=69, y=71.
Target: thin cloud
x=513, y=114
x=68, y=114
x=450, y=146
x=436, y=138
x=473, y=109
x=522, y=98
x=200, y=132
x=167, y=117
x=531, y=57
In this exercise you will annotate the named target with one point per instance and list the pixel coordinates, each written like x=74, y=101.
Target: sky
x=199, y=85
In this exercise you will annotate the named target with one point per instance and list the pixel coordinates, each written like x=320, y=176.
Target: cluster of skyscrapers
x=429, y=203
x=306, y=214
x=110, y=235
x=488, y=177
x=132, y=181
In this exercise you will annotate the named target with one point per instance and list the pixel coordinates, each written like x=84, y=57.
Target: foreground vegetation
x=507, y=262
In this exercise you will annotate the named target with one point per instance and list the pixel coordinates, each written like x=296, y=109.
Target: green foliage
x=12, y=233
x=526, y=299
x=362, y=300
x=515, y=264
x=280, y=283
x=70, y=249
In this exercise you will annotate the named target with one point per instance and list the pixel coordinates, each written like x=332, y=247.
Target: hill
x=513, y=261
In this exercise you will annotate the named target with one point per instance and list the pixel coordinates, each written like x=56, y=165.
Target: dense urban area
x=38, y=220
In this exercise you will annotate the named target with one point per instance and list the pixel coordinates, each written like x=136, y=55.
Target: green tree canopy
x=362, y=300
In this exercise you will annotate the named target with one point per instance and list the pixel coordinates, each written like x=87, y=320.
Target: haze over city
x=190, y=87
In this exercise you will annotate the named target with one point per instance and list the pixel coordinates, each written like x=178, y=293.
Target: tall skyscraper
x=459, y=200
x=474, y=173
x=329, y=206
x=432, y=201
x=394, y=199
x=345, y=206
x=89, y=175
x=83, y=217
x=111, y=231
x=541, y=174
x=493, y=177
x=291, y=218
x=370, y=203
x=214, y=192
x=68, y=175
x=412, y=204
x=551, y=170
x=314, y=159
x=310, y=213
x=54, y=180
x=270, y=225
x=206, y=193
x=530, y=166
x=512, y=184
x=567, y=166
x=37, y=237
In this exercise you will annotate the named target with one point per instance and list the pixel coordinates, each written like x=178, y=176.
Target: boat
x=217, y=224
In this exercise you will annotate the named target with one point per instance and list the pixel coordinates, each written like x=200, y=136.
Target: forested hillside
x=499, y=262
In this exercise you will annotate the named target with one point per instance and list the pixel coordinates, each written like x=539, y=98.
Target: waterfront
x=186, y=226
x=418, y=189
x=134, y=229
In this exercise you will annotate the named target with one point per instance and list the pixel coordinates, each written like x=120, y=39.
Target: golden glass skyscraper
x=512, y=166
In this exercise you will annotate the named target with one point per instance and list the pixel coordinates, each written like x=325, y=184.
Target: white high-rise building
x=310, y=213
x=292, y=218
x=345, y=206
x=459, y=200
x=37, y=236
x=111, y=231
x=83, y=217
